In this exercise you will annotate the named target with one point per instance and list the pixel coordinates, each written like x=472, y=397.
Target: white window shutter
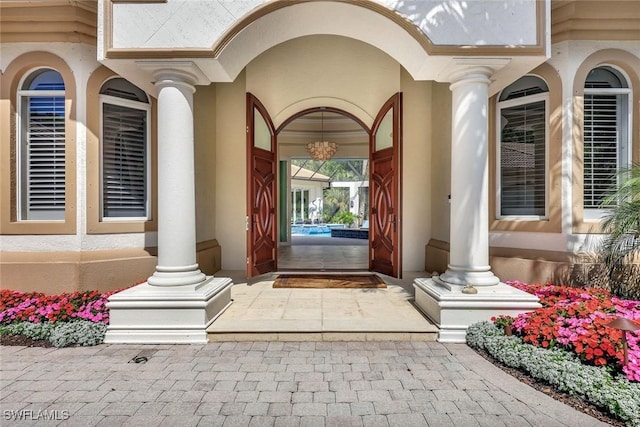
x=124, y=162
x=45, y=158
x=601, y=142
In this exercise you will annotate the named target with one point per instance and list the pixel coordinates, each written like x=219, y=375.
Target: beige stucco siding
x=440, y=161
x=205, y=159
x=230, y=173
x=323, y=71
x=311, y=72
x=416, y=170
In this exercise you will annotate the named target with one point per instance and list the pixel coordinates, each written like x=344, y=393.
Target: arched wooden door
x=384, y=182
x=261, y=195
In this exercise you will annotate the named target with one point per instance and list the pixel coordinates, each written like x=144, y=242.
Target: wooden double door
x=384, y=189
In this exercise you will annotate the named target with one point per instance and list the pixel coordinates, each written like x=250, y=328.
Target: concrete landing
x=261, y=313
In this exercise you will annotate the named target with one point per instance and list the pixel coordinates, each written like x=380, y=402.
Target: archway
x=383, y=142
x=324, y=203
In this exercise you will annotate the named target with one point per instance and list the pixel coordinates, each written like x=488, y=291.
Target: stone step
x=322, y=336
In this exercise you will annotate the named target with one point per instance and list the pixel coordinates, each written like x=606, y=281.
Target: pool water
x=314, y=230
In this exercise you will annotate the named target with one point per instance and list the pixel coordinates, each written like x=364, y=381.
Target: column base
x=147, y=314
x=453, y=311
x=177, y=276
x=478, y=276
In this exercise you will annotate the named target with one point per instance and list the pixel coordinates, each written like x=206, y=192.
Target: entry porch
x=262, y=313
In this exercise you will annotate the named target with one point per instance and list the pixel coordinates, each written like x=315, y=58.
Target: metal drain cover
x=143, y=356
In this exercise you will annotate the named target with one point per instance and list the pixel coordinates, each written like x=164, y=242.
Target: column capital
x=471, y=75
x=175, y=73
x=473, y=69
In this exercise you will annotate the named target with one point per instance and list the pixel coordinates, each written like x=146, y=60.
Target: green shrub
x=60, y=334
x=345, y=217
x=78, y=332
x=35, y=331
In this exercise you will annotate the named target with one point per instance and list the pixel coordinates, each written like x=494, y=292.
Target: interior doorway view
x=329, y=206
x=320, y=211
x=326, y=227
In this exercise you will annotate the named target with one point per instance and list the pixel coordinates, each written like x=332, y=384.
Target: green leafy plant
x=345, y=217
x=620, y=249
x=502, y=320
x=335, y=201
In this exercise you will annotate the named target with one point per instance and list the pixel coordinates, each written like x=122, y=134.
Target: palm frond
x=621, y=246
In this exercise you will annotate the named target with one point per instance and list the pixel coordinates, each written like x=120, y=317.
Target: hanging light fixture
x=322, y=150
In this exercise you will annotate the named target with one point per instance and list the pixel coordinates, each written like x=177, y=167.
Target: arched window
x=41, y=153
x=606, y=133
x=125, y=151
x=522, y=148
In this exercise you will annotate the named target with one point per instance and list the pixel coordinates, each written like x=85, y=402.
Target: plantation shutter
x=124, y=162
x=42, y=147
x=601, y=142
x=522, y=159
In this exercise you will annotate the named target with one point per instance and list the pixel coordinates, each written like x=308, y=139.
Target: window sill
x=112, y=226
x=38, y=227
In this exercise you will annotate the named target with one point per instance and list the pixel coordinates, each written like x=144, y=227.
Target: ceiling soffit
x=243, y=34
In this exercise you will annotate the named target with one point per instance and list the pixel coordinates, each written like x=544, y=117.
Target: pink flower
x=576, y=320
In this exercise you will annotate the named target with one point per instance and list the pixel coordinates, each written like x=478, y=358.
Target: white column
x=176, y=184
x=469, y=235
x=446, y=299
x=295, y=205
x=178, y=303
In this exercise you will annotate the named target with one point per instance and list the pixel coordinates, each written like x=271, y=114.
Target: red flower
x=576, y=320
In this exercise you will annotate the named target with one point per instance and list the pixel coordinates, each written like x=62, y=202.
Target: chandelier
x=322, y=150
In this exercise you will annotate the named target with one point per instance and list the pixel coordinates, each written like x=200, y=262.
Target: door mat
x=328, y=281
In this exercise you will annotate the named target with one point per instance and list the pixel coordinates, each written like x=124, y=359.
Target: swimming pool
x=323, y=230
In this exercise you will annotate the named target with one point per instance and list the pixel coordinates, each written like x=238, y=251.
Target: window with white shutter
x=522, y=149
x=606, y=145
x=41, y=157
x=125, y=151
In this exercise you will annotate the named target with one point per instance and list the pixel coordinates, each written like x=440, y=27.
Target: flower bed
x=37, y=307
x=78, y=318
x=575, y=319
x=563, y=370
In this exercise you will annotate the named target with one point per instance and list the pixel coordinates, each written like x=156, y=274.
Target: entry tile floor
x=260, y=312
x=317, y=254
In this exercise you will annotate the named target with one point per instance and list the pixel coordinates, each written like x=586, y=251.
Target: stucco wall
x=205, y=159
x=440, y=161
x=230, y=173
x=569, y=57
x=82, y=60
x=303, y=73
x=416, y=171
x=323, y=71
x=319, y=71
